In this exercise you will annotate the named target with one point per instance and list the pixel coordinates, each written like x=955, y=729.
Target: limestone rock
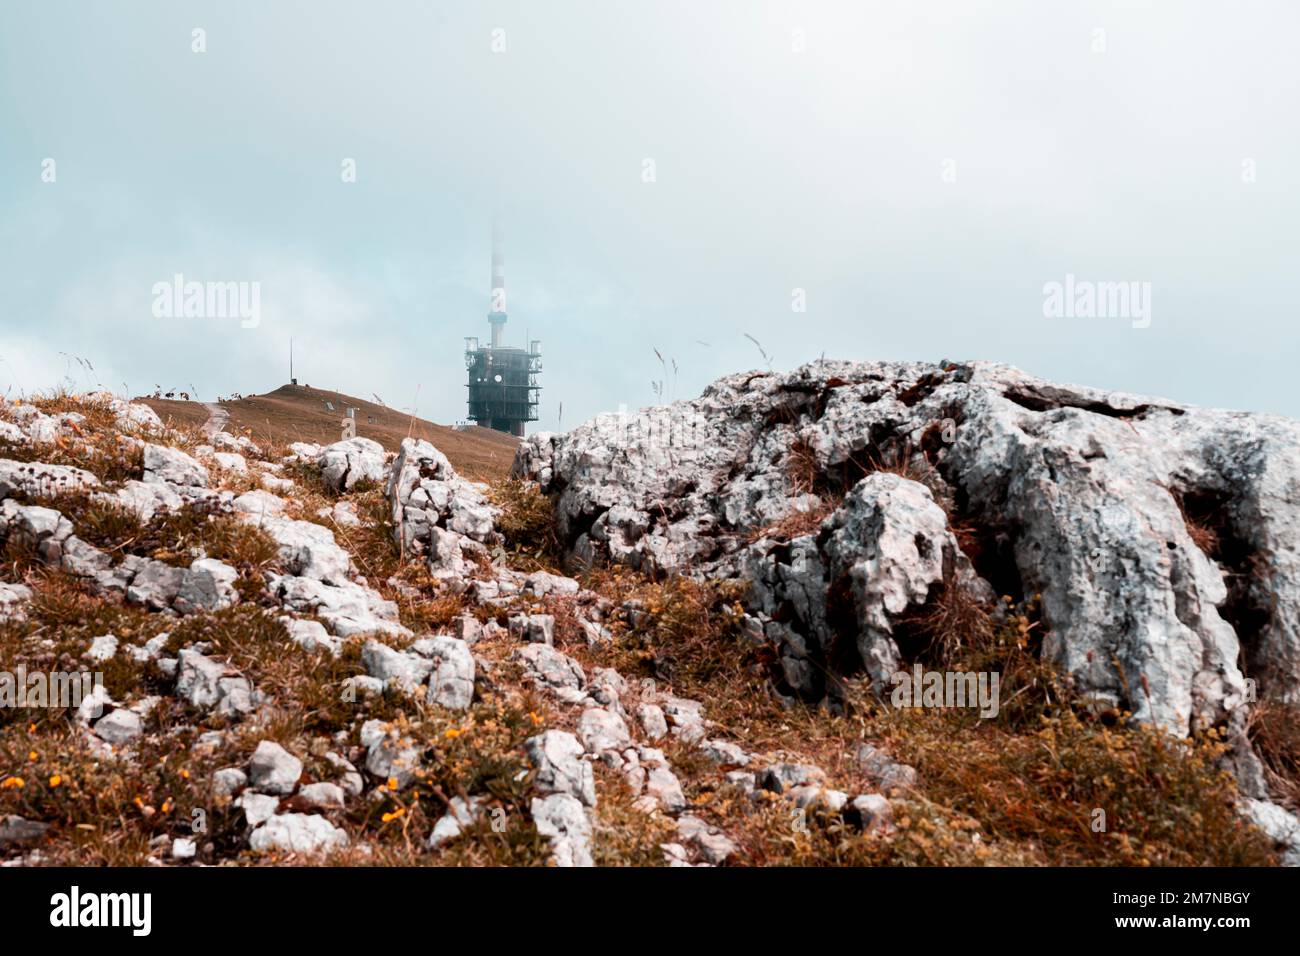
x=347, y=462
x=173, y=467
x=272, y=769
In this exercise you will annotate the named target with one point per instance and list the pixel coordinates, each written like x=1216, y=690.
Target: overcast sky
x=920, y=170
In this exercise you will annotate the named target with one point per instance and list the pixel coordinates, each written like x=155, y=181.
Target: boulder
x=1098, y=501
x=172, y=466
x=347, y=462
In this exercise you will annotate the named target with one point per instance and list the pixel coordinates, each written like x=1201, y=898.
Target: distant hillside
x=298, y=413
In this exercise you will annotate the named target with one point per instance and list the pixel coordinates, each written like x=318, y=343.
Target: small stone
x=119, y=727
x=273, y=769
x=873, y=810
x=662, y=784
x=460, y=815
x=102, y=649
x=653, y=723
x=184, y=848
x=228, y=781
x=601, y=730
x=323, y=796
x=257, y=807
x=724, y=753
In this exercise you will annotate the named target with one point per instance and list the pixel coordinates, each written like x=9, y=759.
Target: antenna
x=497, y=313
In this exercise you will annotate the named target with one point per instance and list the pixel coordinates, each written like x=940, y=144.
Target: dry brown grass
x=297, y=413
x=1274, y=732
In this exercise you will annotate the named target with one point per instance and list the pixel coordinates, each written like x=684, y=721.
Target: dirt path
x=217, y=418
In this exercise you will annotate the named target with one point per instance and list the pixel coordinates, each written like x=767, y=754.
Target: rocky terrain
x=669, y=639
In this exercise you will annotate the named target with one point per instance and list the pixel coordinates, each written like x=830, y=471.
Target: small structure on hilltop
x=503, y=389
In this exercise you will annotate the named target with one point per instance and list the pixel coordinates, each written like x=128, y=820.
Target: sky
x=732, y=184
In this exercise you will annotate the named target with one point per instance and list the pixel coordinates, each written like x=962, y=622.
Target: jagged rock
x=533, y=459
x=563, y=821
x=383, y=663
x=43, y=529
x=552, y=668
x=343, y=513
x=348, y=609
x=601, y=730
x=272, y=769
x=273, y=483
x=173, y=467
x=155, y=584
x=93, y=704
x=663, y=787
x=311, y=636
x=884, y=770
x=891, y=543
x=607, y=688
x=452, y=683
x=347, y=462
x=207, y=684
x=425, y=493
x=143, y=499
x=742, y=779
x=297, y=833
x=207, y=585
x=13, y=435
x=686, y=717
x=259, y=504
x=308, y=550
x=652, y=721
x=1082, y=492
x=120, y=727
x=37, y=479
x=711, y=843
x=724, y=753
x=783, y=776
x=257, y=807
x=468, y=628
x=303, y=451
x=533, y=628
x=557, y=757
